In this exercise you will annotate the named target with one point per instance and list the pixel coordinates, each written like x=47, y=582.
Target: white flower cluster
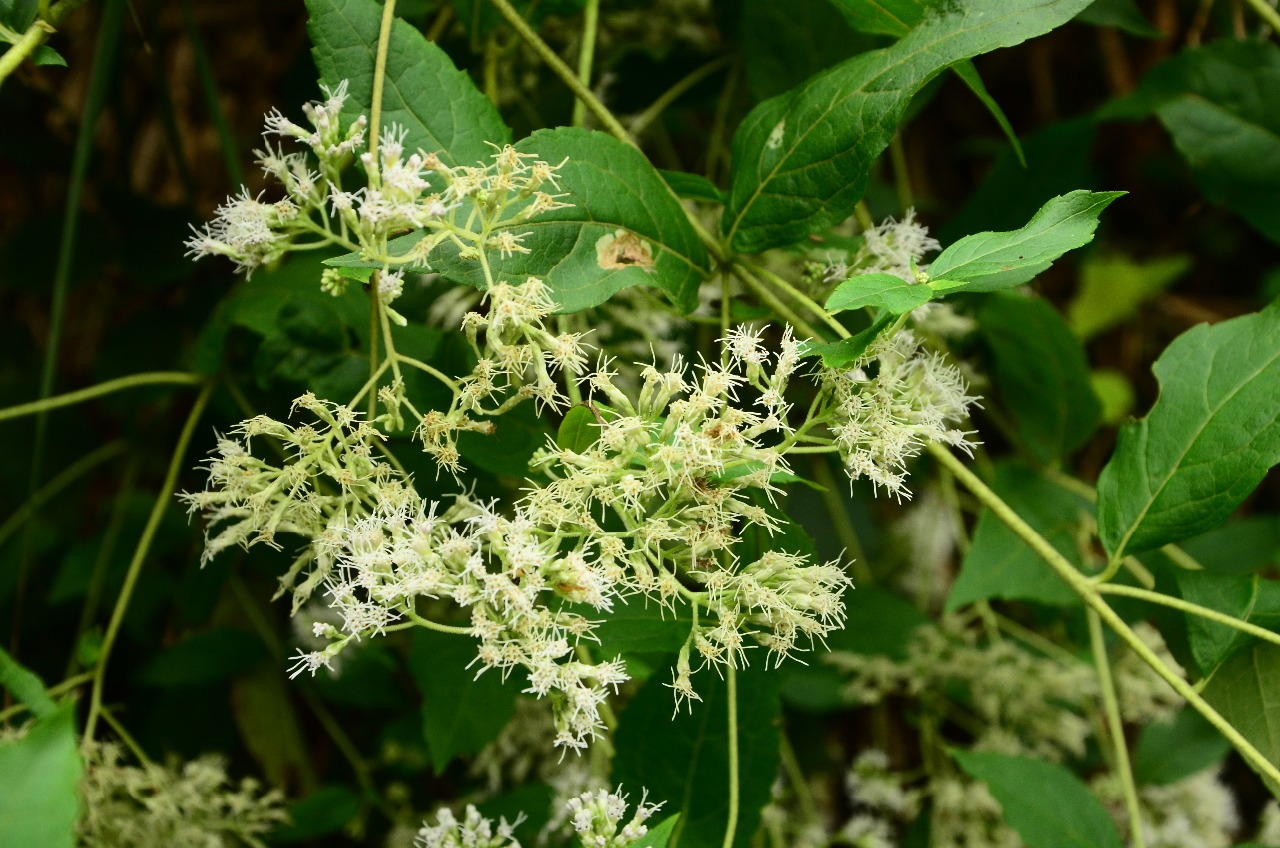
x=1196, y=812
x=474, y=208
x=891, y=404
x=891, y=247
x=332, y=473
x=474, y=831
x=881, y=802
x=1025, y=703
x=965, y=815
x=515, y=357
x=194, y=805
x=680, y=468
x=252, y=233
x=596, y=816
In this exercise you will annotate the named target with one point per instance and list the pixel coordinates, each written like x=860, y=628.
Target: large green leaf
x=625, y=228
x=461, y=713
x=1045, y=803
x=1246, y=691
x=986, y=262
x=441, y=109
x=1206, y=444
x=690, y=769
x=1169, y=751
x=801, y=159
x=783, y=44
x=1221, y=104
x=38, y=778
x=1250, y=598
x=882, y=291
x=1241, y=546
x=1113, y=286
x=998, y=564
x=1041, y=373
x=899, y=17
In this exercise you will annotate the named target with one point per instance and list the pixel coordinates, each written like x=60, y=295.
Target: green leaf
x=1045, y=803
x=991, y=261
x=691, y=771
x=625, y=228
x=660, y=836
x=507, y=450
x=1238, y=547
x=848, y=351
x=883, y=17
x=204, y=658
x=883, y=291
x=437, y=104
x=24, y=686
x=1000, y=565
x=269, y=725
x=640, y=625
x=1041, y=373
x=1123, y=15
x=1246, y=691
x=899, y=17
x=579, y=430
x=18, y=15
x=461, y=713
x=692, y=186
x=1249, y=598
x=1169, y=751
x=783, y=44
x=325, y=811
x=1221, y=104
x=1112, y=287
x=800, y=160
x=38, y=778
x=45, y=55
x=1206, y=444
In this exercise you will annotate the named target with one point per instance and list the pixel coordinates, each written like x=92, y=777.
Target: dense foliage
x=680, y=424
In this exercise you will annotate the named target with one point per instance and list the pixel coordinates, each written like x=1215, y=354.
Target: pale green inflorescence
x=191, y=805
x=681, y=461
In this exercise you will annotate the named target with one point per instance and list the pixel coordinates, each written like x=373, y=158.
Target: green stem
x=1195, y=609
x=731, y=688
x=140, y=556
x=379, y=79
x=1268, y=14
x=1090, y=594
x=125, y=736
x=53, y=692
x=178, y=378
x=775, y=303
x=803, y=299
x=655, y=109
x=1115, y=726
x=42, y=496
x=434, y=625
x=25, y=46
x=795, y=775
x=590, y=24
x=563, y=71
